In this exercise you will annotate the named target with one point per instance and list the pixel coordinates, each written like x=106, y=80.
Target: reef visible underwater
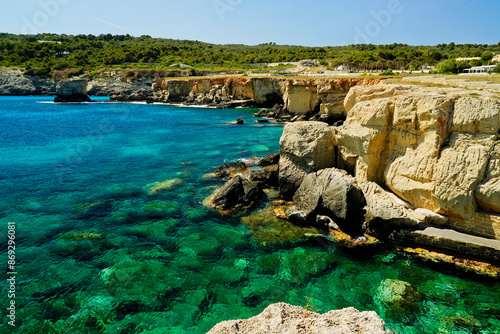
x=112, y=237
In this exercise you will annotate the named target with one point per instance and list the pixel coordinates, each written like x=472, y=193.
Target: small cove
x=99, y=252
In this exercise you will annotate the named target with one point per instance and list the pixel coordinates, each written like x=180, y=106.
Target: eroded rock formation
x=421, y=156
x=72, y=91
x=299, y=96
x=436, y=149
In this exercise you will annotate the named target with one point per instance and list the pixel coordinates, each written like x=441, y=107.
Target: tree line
x=47, y=52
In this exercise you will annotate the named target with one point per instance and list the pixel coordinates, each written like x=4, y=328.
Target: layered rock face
x=298, y=96
x=283, y=318
x=13, y=82
x=263, y=91
x=421, y=156
x=436, y=149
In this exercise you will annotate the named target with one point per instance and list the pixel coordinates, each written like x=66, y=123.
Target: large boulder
x=385, y=212
x=284, y=318
x=237, y=193
x=331, y=192
x=305, y=147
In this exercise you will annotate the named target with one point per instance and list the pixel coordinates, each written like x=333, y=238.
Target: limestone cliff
x=299, y=96
x=437, y=149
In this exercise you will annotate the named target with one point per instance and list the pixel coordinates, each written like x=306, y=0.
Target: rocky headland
x=415, y=167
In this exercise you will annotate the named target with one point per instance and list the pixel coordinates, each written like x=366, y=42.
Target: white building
x=480, y=69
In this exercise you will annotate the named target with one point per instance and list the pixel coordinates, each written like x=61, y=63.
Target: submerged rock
x=266, y=228
x=162, y=186
x=401, y=297
x=284, y=318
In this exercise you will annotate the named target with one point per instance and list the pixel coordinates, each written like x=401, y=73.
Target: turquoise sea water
x=99, y=250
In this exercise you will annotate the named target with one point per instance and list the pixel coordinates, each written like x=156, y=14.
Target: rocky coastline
x=364, y=164
x=412, y=167
x=416, y=156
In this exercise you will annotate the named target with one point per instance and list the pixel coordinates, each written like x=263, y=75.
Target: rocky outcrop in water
x=238, y=193
x=72, y=91
x=331, y=192
x=283, y=318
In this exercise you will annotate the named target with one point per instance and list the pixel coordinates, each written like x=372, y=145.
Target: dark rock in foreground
x=283, y=318
x=270, y=159
x=236, y=194
x=72, y=91
x=268, y=176
x=333, y=193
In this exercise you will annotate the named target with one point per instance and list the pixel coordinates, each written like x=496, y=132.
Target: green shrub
x=71, y=74
x=496, y=69
x=389, y=72
x=447, y=66
x=130, y=74
x=170, y=74
x=44, y=71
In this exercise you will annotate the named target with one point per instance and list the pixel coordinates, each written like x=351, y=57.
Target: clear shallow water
x=99, y=251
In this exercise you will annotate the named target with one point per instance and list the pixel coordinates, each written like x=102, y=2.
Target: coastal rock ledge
x=283, y=318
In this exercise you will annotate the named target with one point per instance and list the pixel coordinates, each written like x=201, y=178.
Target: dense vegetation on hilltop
x=46, y=52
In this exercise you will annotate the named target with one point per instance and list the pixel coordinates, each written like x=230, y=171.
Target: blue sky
x=311, y=23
